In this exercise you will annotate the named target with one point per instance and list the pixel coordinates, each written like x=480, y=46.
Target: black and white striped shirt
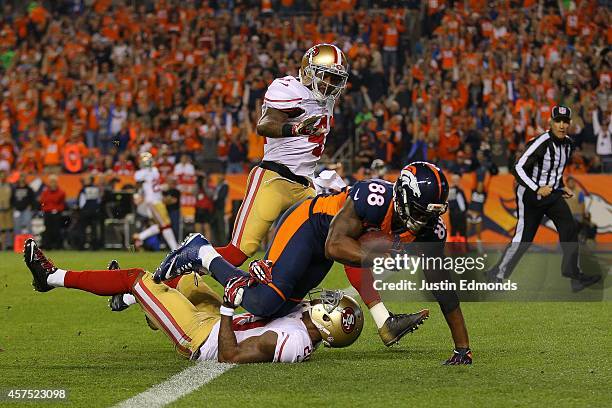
x=543, y=162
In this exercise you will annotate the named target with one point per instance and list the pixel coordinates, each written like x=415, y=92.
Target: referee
x=540, y=191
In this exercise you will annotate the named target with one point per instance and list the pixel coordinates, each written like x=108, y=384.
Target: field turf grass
x=525, y=354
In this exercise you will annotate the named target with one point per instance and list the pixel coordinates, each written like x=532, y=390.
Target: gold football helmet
x=324, y=70
x=338, y=318
x=146, y=160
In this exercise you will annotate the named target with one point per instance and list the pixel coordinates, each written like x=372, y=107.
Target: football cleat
x=396, y=326
x=117, y=304
x=461, y=356
x=183, y=260
x=39, y=265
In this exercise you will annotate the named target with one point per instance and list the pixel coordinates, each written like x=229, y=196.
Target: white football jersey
x=299, y=154
x=293, y=343
x=151, y=186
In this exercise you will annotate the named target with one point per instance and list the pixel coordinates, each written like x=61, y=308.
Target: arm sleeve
x=528, y=159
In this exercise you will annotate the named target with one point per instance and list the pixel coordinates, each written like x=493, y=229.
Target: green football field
x=525, y=354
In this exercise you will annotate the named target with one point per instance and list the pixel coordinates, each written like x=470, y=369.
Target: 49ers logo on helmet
x=348, y=319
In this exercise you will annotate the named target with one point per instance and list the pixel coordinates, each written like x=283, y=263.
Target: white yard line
x=177, y=386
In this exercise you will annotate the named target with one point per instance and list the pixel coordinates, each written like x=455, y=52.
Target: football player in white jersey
x=296, y=117
x=202, y=327
x=150, y=196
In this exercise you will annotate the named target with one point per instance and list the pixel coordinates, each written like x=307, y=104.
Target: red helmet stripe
x=338, y=58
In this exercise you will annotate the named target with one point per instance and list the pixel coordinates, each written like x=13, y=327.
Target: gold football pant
x=267, y=196
x=159, y=212
x=186, y=315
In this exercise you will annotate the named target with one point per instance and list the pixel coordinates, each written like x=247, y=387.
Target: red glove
x=309, y=127
x=234, y=289
x=261, y=271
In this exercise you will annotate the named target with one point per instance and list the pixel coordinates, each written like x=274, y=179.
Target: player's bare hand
x=567, y=192
x=544, y=191
x=309, y=126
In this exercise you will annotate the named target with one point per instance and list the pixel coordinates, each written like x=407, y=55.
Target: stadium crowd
x=87, y=86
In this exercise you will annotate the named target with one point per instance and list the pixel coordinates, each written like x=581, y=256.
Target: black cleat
x=582, y=281
x=462, y=356
x=113, y=264
x=396, y=326
x=117, y=304
x=39, y=265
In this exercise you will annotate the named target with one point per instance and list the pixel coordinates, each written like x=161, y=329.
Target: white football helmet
x=338, y=318
x=324, y=70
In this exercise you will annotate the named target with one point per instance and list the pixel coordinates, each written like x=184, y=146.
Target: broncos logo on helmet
x=420, y=194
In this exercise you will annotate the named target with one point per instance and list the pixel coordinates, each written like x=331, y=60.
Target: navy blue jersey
x=372, y=200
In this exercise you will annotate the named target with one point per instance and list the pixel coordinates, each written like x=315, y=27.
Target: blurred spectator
x=603, y=132
x=204, y=207
x=184, y=167
x=499, y=151
x=220, y=195
x=172, y=199
x=23, y=202
x=52, y=203
x=90, y=207
x=457, y=208
x=6, y=213
x=476, y=213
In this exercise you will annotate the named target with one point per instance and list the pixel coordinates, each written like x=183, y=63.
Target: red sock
x=103, y=282
x=363, y=282
x=173, y=283
x=232, y=254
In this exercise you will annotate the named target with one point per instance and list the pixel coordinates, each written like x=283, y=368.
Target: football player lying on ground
x=327, y=228
x=204, y=328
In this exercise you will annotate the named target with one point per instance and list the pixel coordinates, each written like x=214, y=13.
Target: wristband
x=287, y=130
x=226, y=311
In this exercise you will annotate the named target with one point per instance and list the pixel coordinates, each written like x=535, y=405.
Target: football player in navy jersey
x=327, y=228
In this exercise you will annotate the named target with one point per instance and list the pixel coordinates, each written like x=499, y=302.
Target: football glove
x=308, y=127
x=261, y=271
x=461, y=356
x=234, y=290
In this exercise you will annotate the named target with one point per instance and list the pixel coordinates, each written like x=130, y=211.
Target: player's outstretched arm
x=256, y=349
x=271, y=123
x=342, y=243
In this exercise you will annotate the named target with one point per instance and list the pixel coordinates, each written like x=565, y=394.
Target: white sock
x=129, y=299
x=380, y=314
x=169, y=237
x=207, y=254
x=56, y=279
x=149, y=232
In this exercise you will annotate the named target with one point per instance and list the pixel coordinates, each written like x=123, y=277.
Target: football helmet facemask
x=338, y=318
x=324, y=70
x=146, y=160
x=420, y=194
